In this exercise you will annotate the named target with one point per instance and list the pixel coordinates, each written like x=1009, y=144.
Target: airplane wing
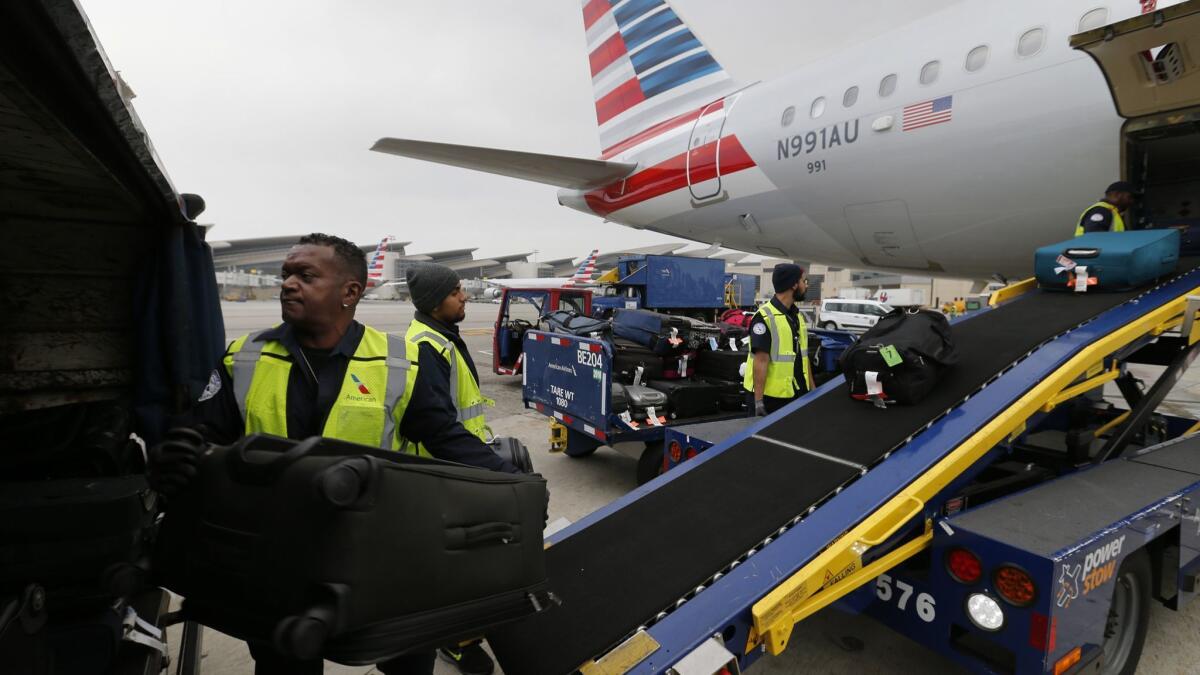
x=568, y=172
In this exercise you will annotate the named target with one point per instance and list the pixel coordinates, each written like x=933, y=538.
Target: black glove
x=760, y=408
x=172, y=463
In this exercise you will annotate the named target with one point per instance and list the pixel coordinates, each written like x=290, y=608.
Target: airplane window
x=887, y=85
x=977, y=58
x=789, y=114
x=850, y=97
x=1094, y=19
x=818, y=107
x=929, y=72
x=1031, y=42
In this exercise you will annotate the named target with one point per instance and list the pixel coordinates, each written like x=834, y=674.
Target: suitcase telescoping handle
x=268, y=466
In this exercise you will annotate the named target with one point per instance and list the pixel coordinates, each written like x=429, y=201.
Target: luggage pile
x=670, y=367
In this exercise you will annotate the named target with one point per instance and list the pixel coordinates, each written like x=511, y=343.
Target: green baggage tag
x=890, y=356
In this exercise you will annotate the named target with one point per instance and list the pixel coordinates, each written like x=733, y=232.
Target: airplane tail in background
x=375, y=264
x=647, y=66
x=586, y=272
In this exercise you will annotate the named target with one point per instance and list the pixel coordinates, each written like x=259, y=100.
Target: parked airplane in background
x=583, y=276
x=952, y=145
x=375, y=264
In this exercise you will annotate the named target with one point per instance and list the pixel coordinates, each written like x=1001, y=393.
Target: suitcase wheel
x=345, y=483
x=303, y=637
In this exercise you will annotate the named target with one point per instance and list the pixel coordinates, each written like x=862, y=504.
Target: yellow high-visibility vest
x=469, y=401
x=1118, y=223
x=781, y=372
x=374, y=395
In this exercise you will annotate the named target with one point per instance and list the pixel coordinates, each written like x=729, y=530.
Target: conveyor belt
x=622, y=570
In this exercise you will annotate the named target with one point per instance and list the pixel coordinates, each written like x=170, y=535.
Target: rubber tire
x=583, y=446
x=829, y=325
x=650, y=464
x=1135, y=571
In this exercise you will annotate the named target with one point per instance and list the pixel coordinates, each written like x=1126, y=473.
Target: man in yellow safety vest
x=434, y=342
x=778, y=369
x=321, y=373
x=1105, y=215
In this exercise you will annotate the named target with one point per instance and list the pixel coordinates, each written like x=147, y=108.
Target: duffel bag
x=901, y=358
x=567, y=322
x=334, y=550
x=663, y=333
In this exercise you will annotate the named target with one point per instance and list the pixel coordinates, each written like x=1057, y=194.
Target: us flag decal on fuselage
x=928, y=113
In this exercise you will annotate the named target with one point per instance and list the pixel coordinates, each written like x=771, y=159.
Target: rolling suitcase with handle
x=721, y=364
x=330, y=549
x=629, y=356
x=1107, y=260
x=686, y=398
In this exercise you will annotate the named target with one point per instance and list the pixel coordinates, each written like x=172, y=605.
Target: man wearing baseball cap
x=778, y=369
x=1105, y=215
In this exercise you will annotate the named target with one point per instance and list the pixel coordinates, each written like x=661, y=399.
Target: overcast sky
x=267, y=108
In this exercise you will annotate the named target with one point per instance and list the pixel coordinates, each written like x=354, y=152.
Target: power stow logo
x=1099, y=566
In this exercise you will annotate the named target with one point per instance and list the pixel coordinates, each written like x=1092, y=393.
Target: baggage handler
x=1105, y=215
x=321, y=373
x=435, y=344
x=778, y=369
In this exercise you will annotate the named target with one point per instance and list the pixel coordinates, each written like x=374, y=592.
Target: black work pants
x=769, y=402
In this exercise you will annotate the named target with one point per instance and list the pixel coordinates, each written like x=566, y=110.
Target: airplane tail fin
x=375, y=264
x=647, y=66
x=587, y=270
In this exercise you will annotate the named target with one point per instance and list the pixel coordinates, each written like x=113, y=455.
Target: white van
x=850, y=314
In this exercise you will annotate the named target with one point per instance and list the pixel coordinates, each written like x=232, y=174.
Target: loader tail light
x=675, y=450
x=1014, y=585
x=964, y=566
x=1071, y=658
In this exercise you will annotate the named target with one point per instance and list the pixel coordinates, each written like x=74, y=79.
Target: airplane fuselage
x=1004, y=159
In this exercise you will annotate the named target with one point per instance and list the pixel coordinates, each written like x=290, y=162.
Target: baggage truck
x=670, y=284
x=901, y=297
x=524, y=309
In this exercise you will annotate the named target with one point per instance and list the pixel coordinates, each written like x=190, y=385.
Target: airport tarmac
x=830, y=642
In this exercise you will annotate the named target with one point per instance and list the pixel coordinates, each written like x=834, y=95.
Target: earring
x=345, y=306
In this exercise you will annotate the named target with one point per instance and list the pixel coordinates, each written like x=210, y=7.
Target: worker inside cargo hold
x=320, y=373
x=778, y=369
x=1106, y=214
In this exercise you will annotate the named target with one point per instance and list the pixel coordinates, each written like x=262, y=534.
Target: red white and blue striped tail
x=375, y=264
x=586, y=272
x=646, y=65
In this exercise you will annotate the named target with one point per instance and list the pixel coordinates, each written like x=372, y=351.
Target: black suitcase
x=901, y=358
x=330, y=549
x=680, y=366
x=79, y=538
x=722, y=365
x=687, y=398
x=731, y=395
x=702, y=334
x=628, y=356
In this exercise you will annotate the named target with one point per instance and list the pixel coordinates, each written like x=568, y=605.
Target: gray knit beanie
x=429, y=284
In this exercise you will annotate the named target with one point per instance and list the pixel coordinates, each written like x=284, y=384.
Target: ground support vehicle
x=524, y=309
x=569, y=379
x=850, y=315
x=829, y=495
x=670, y=284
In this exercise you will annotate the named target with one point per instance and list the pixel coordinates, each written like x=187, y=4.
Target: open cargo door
x=1150, y=61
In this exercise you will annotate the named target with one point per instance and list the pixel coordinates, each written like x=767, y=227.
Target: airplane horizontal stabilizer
x=568, y=172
